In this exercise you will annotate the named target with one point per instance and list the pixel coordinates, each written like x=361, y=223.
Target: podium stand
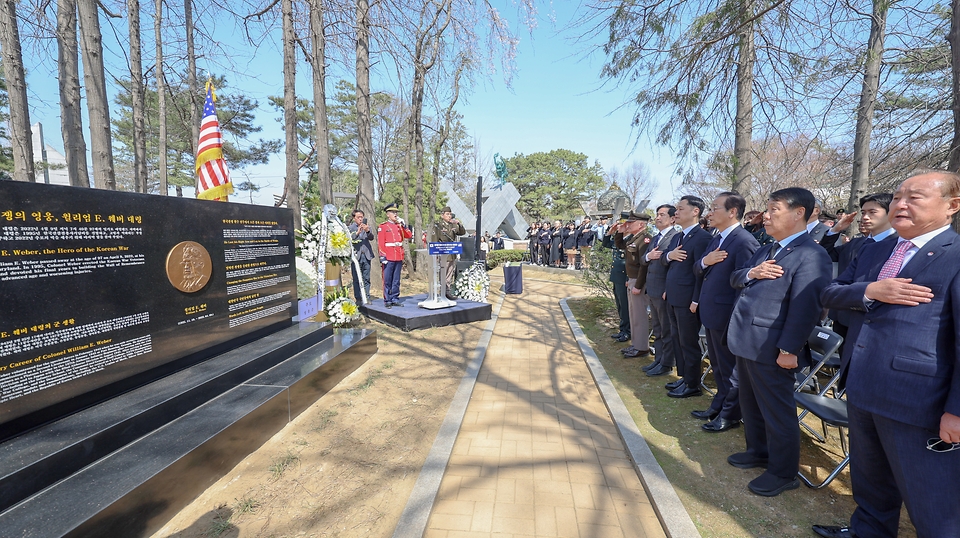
x=438, y=283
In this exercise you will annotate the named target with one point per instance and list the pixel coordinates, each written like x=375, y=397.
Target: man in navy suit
x=682, y=285
x=656, y=286
x=731, y=249
x=903, y=383
x=875, y=225
x=778, y=307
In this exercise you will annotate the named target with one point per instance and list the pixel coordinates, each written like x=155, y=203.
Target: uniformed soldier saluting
x=448, y=230
x=390, y=236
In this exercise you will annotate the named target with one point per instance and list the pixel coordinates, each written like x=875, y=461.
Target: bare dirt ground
x=345, y=467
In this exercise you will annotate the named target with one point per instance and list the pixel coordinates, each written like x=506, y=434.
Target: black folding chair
x=823, y=344
x=831, y=412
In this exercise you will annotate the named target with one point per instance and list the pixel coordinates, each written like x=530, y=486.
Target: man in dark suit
x=903, y=384
x=686, y=248
x=875, y=225
x=731, y=249
x=778, y=307
x=815, y=228
x=656, y=286
x=498, y=241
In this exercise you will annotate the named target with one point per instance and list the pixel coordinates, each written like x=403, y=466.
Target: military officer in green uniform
x=448, y=230
x=634, y=242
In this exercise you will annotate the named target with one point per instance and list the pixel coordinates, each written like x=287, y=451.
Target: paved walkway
x=537, y=453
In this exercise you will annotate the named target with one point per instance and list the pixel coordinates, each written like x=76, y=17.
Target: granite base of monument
x=126, y=466
x=409, y=316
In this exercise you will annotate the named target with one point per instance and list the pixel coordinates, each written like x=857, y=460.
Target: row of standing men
x=896, y=298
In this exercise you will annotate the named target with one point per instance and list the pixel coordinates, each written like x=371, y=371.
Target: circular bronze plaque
x=189, y=266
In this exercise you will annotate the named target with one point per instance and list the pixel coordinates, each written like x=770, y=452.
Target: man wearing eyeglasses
x=903, y=382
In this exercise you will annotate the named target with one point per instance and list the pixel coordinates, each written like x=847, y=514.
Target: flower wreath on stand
x=473, y=284
x=325, y=243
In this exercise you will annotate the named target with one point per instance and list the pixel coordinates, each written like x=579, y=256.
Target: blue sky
x=556, y=101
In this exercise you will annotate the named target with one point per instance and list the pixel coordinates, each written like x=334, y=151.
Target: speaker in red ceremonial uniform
x=390, y=237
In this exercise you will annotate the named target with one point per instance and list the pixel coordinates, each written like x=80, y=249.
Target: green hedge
x=496, y=257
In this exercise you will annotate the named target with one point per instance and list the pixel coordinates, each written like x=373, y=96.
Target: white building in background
x=54, y=164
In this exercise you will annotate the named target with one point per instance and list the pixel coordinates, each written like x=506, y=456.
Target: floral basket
x=473, y=284
x=341, y=310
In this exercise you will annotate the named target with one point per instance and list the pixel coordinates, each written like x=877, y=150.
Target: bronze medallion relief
x=189, y=266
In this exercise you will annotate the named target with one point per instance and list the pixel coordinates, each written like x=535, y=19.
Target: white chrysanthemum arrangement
x=306, y=279
x=340, y=309
x=473, y=284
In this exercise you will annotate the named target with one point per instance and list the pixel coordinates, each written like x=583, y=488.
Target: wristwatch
x=785, y=352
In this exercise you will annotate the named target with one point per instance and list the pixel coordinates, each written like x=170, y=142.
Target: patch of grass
x=220, y=524
x=372, y=377
x=326, y=418
x=245, y=505
x=281, y=463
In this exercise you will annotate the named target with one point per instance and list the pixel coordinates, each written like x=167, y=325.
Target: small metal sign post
x=438, y=283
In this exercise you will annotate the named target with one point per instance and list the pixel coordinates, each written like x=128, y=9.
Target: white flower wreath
x=473, y=284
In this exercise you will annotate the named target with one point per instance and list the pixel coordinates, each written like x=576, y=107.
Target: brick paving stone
x=537, y=453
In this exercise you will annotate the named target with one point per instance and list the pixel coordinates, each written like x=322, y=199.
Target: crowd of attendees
x=559, y=245
x=759, y=283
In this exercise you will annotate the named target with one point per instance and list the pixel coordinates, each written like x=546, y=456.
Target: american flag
x=211, y=167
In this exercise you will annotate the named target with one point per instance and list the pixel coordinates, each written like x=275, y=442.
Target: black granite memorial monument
x=142, y=333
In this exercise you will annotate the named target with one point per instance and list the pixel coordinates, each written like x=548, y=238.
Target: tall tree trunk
x=954, y=38
x=743, y=135
x=365, y=193
x=321, y=128
x=291, y=182
x=442, y=138
x=98, y=104
x=137, y=92
x=416, y=122
x=868, y=99
x=68, y=67
x=193, y=86
x=21, y=138
x=161, y=98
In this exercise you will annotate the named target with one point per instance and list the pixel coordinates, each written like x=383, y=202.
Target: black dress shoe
x=628, y=350
x=684, y=391
x=768, y=485
x=388, y=305
x=623, y=338
x=745, y=460
x=833, y=531
x=673, y=384
x=636, y=353
x=616, y=336
x=720, y=424
x=708, y=414
x=659, y=370
x=650, y=366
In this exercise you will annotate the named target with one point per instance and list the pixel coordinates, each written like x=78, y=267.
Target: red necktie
x=893, y=264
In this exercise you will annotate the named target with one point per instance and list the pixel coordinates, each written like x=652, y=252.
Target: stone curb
x=671, y=512
x=413, y=520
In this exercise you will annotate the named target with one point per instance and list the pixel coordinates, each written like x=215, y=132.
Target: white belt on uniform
x=393, y=244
